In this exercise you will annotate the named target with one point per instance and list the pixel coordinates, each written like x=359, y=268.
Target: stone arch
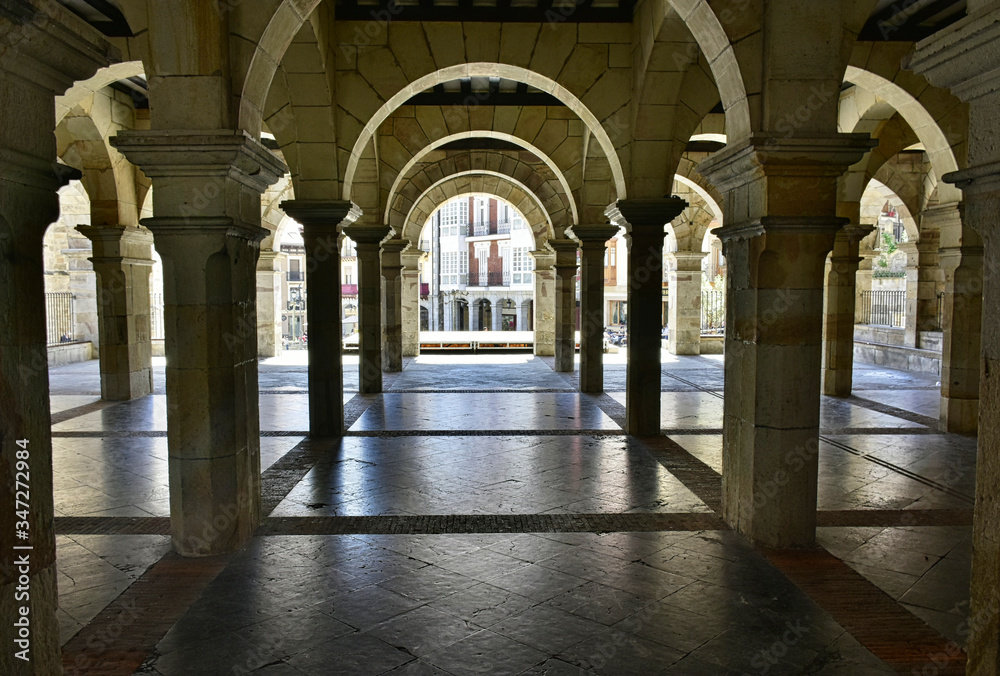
x=418, y=157
x=484, y=69
x=298, y=112
x=487, y=162
x=707, y=192
x=82, y=146
x=479, y=182
x=875, y=195
x=925, y=125
x=102, y=78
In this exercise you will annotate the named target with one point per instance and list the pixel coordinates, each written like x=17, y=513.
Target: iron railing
x=295, y=276
x=882, y=308
x=59, y=318
x=489, y=279
x=156, y=316
x=489, y=228
x=713, y=310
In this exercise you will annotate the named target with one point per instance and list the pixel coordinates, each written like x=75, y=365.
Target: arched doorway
x=484, y=315
x=508, y=315
x=425, y=318
x=460, y=317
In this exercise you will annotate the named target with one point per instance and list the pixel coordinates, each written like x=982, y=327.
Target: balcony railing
x=59, y=318
x=295, y=276
x=882, y=308
x=489, y=228
x=348, y=289
x=489, y=279
x=425, y=288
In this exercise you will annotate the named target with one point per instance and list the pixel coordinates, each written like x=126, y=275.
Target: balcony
x=425, y=288
x=485, y=228
x=348, y=289
x=295, y=276
x=489, y=279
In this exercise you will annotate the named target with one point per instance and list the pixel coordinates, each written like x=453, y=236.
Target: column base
x=959, y=416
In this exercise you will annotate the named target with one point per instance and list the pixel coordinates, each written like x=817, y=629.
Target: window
x=453, y=216
x=521, y=265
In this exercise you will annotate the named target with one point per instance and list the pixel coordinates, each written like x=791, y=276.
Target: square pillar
x=593, y=239
x=122, y=258
x=962, y=57
x=321, y=224
x=776, y=257
x=268, y=305
x=545, y=302
x=368, y=237
x=565, y=334
x=922, y=267
x=684, y=313
x=206, y=227
x=644, y=222
x=410, y=308
x=838, y=323
x=392, y=268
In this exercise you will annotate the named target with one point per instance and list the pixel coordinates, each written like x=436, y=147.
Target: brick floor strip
x=484, y=433
x=77, y=411
x=488, y=523
x=879, y=407
x=881, y=625
x=696, y=476
x=123, y=635
x=112, y=525
x=527, y=390
x=895, y=517
x=280, y=478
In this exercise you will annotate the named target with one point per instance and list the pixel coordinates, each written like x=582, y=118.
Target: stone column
x=122, y=258
x=565, y=333
x=368, y=237
x=922, y=263
x=83, y=285
x=684, y=308
x=41, y=54
x=269, y=305
x=206, y=227
x=545, y=302
x=321, y=222
x=593, y=239
x=838, y=326
x=780, y=200
x=392, y=269
x=962, y=263
x=644, y=222
x=411, y=302
x=963, y=58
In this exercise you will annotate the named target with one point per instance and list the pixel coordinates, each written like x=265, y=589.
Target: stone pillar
x=206, y=227
x=565, y=333
x=411, y=302
x=780, y=200
x=269, y=305
x=83, y=284
x=684, y=308
x=41, y=54
x=644, y=222
x=392, y=276
x=922, y=263
x=321, y=222
x=593, y=239
x=963, y=58
x=368, y=237
x=838, y=325
x=122, y=258
x=962, y=263
x=545, y=302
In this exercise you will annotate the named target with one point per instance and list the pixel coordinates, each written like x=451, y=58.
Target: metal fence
x=882, y=308
x=59, y=318
x=489, y=279
x=156, y=316
x=482, y=228
x=713, y=310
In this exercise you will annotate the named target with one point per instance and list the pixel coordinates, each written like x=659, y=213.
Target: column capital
x=565, y=252
x=411, y=258
x=118, y=244
x=395, y=246
x=544, y=258
x=221, y=154
x=367, y=234
x=962, y=56
x=855, y=232
x=645, y=215
x=686, y=261
x=322, y=214
x=782, y=225
x=598, y=233
x=765, y=154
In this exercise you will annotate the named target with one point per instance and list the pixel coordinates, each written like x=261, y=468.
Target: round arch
x=486, y=69
x=102, y=78
x=923, y=124
x=418, y=157
x=465, y=183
